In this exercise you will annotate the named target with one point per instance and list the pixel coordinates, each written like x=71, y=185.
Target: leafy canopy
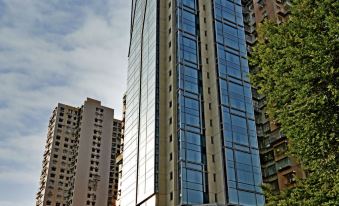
x=299, y=74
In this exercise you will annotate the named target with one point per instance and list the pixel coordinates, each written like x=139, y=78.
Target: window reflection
x=190, y=136
x=239, y=132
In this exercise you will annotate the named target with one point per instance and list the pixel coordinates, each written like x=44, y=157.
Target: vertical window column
x=240, y=145
x=191, y=140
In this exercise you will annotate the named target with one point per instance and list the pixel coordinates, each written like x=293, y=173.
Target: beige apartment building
x=77, y=167
x=119, y=156
x=115, y=166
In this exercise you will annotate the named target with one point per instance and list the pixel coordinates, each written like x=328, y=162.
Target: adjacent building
x=119, y=156
x=114, y=166
x=190, y=134
x=279, y=170
x=77, y=167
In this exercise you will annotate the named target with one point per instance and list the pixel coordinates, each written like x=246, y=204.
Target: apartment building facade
x=115, y=165
x=77, y=168
x=279, y=169
x=190, y=136
x=119, y=157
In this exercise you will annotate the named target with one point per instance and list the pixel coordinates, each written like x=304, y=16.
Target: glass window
x=193, y=138
x=218, y=12
x=236, y=88
x=230, y=30
x=220, y=37
x=230, y=174
x=237, y=103
x=194, y=176
x=194, y=186
x=229, y=154
x=193, y=156
x=188, y=79
x=246, y=198
x=226, y=115
x=238, y=121
x=190, y=86
x=260, y=200
x=193, y=147
x=228, y=5
x=187, y=21
x=194, y=197
x=257, y=179
x=233, y=195
x=254, y=141
x=233, y=71
x=188, y=50
x=228, y=15
x=231, y=42
x=189, y=73
x=222, y=70
x=223, y=91
x=192, y=120
x=232, y=58
x=243, y=157
x=245, y=177
x=247, y=90
x=244, y=167
x=189, y=3
x=192, y=103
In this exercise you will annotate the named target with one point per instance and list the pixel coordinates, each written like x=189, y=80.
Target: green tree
x=297, y=69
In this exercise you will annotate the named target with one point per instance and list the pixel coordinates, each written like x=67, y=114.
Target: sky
x=53, y=51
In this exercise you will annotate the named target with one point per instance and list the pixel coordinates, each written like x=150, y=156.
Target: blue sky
x=53, y=51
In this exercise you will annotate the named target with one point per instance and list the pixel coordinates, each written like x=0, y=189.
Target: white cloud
x=54, y=51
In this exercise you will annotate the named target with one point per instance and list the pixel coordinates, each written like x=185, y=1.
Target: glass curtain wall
x=139, y=165
x=191, y=145
x=129, y=174
x=148, y=101
x=236, y=110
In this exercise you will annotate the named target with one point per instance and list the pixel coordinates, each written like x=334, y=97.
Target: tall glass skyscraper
x=190, y=136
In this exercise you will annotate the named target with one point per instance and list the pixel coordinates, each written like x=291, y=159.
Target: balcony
x=261, y=3
x=249, y=19
x=260, y=133
x=269, y=171
x=275, y=135
x=249, y=29
x=281, y=10
x=251, y=39
x=244, y=2
x=284, y=163
x=280, y=150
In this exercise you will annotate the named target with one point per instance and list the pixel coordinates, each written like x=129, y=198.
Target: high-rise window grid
x=242, y=162
x=192, y=160
x=140, y=151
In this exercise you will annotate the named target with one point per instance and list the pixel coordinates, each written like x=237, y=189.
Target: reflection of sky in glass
x=139, y=147
x=192, y=159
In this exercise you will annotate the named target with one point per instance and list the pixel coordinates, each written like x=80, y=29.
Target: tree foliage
x=298, y=72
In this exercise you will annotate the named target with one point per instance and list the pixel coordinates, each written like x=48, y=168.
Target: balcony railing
x=261, y=3
x=275, y=135
x=283, y=163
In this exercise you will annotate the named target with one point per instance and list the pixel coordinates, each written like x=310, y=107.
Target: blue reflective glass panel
x=247, y=198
